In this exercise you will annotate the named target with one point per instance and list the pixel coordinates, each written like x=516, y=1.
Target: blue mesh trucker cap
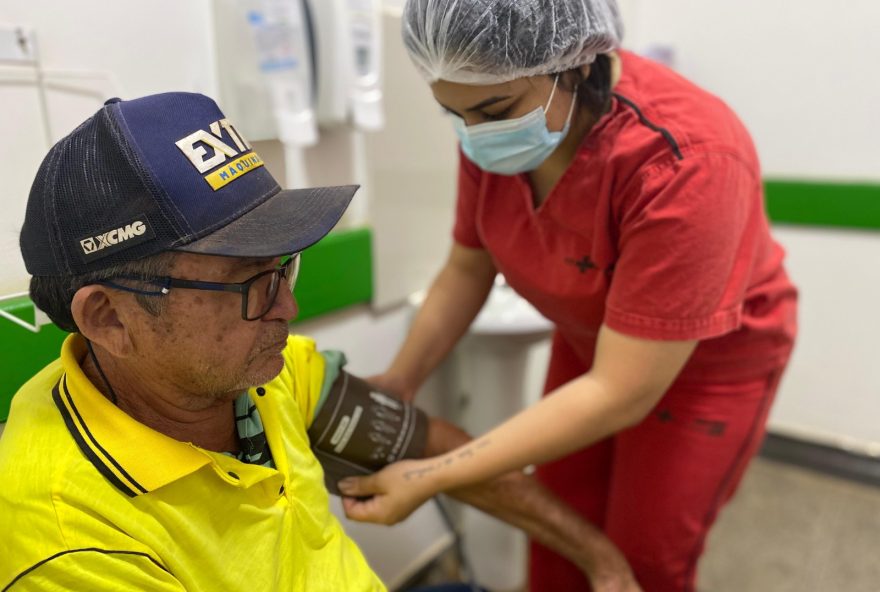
x=165, y=172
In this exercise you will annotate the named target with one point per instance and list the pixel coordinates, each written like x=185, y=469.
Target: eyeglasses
x=258, y=293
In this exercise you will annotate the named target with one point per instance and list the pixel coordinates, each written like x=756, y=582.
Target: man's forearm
x=521, y=501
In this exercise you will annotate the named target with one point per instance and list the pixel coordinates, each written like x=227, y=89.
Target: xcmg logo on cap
x=108, y=242
x=193, y=146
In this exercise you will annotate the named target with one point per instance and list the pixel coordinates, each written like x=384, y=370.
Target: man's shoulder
x=33, y=415
x=39, y=386
x=303, y=363
x=37, y=456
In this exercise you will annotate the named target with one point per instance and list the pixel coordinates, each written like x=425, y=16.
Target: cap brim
x=288, y=222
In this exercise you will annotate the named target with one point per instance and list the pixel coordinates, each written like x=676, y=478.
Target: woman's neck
x=546, y=176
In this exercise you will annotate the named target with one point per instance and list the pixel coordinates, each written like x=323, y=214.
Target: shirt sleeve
x=688, y=237
x=465, y=231
x=96, y=570
x=334, y=361
x=303, y=375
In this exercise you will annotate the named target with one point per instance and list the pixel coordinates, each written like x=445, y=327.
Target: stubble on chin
x=263, y=363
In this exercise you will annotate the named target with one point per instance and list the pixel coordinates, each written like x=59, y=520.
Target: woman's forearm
x=578, y=414
x=628, y=377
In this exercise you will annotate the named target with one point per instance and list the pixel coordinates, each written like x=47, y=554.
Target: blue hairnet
x=493, y=41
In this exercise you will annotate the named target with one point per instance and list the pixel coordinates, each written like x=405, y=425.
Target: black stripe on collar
x=88, y=444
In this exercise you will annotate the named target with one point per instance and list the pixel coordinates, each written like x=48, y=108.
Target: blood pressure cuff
x=357, y=430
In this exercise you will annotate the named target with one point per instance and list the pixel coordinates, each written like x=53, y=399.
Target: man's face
x=200, y=343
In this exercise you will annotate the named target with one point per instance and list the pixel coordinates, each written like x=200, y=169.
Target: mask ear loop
x=552, y=92
x=573, y=100
x=574, y=97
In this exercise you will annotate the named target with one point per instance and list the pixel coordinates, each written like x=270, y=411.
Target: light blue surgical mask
x=512, y=146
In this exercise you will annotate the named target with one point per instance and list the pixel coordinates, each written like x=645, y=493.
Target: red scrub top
x=657, y=229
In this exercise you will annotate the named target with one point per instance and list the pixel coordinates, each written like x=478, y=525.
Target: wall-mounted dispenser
x=286, y=68
x=365, y=22
x=283, y=39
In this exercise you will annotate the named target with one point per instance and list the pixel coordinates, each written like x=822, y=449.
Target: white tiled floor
x=789, y=529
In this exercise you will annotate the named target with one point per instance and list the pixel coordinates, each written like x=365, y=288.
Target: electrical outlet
x=17, y=45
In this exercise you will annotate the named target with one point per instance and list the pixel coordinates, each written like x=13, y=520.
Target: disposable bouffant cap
x=494, y=41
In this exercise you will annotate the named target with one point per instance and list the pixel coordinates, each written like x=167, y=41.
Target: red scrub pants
x=656, y=488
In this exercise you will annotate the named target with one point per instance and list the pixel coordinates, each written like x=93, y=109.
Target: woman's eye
x=497, y=116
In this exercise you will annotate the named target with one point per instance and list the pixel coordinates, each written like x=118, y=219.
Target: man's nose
x=284, y=307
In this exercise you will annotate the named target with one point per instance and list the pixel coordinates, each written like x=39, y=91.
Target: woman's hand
x=393, y=385
x=611, y=573
x=618, y=583
x=391, y=495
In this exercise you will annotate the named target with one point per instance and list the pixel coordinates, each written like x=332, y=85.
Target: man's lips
x=277, y=346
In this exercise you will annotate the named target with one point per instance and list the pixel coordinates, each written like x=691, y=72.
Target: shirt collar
x=135, y=458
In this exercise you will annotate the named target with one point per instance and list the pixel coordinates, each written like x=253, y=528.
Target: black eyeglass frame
x=165, y=283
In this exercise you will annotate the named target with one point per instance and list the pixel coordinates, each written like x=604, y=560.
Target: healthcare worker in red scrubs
x=626, y=204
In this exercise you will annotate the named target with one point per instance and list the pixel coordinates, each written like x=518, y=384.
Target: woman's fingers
x=358, y=486
x=386, y=497
x=364, y=510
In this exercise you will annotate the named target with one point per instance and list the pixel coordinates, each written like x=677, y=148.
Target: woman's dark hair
x=594, y=91
x=54, y=294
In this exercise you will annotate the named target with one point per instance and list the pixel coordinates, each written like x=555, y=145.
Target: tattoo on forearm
x=466, y=453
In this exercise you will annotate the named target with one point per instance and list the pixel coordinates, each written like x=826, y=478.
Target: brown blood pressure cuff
x=358, y=430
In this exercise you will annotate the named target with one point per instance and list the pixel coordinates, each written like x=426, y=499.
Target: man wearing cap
x=169, y=448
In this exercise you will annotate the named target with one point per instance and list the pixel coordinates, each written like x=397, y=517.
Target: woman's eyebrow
x=490, y=101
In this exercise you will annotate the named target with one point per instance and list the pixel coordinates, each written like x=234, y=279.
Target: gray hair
x=54, y=294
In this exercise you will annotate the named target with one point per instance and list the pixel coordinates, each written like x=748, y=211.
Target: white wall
x=800, y=74
x=412, y=166
x=89, y=50
x=407, y=171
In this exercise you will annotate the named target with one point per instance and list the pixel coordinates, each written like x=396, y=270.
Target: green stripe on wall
x=23, y=353
x=336, y=273
x=846, y=205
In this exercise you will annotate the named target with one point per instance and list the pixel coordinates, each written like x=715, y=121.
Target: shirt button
x=261, y=391
x=233, y=475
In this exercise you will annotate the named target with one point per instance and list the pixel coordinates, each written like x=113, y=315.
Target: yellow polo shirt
x=92, y=500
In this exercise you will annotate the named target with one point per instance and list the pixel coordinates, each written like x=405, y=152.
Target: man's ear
x=96, y=313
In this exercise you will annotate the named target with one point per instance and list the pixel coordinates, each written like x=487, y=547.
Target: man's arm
x=524, y=503
x=357, y=429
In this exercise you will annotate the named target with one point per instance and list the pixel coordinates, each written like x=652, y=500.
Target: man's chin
x=271, y=366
